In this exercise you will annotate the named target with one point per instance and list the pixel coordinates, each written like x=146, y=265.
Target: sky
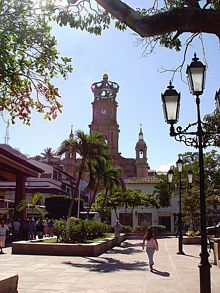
x=139, y=98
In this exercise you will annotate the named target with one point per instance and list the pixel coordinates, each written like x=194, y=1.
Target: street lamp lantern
x=217, y=98
x=179, y=164
x=170, y=174
x=171, y=104
x=196, y=76
x=190, y=176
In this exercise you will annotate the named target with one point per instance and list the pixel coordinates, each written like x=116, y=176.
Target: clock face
x=103, y=111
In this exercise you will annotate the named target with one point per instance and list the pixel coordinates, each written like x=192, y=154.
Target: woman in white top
x=151, y=246
x=3, y=232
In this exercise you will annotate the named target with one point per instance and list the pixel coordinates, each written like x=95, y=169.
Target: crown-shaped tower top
x=105, y=89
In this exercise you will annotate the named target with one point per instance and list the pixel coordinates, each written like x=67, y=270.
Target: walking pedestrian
x=3, y=233
x=151, y=246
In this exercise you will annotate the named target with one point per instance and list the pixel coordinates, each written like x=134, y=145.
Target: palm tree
x=90, y=148
x=97, y=170
x=112, y=180
x=68, y=146
x=49, y=154
x=34, y=203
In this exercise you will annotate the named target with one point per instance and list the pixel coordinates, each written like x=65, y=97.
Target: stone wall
x=81, y=249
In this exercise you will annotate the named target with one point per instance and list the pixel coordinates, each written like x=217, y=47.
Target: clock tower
x=104, y=106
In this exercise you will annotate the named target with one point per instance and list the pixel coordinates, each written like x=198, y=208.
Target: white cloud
x=163, y=167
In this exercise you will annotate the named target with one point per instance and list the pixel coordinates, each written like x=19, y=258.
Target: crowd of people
x=31, y=229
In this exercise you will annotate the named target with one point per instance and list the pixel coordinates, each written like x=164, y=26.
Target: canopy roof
x=12, y=163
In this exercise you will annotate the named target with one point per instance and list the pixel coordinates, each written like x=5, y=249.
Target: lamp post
x=198, y=138
x=179, y=164
x=170, y=174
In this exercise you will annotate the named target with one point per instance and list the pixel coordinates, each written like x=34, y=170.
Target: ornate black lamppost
x=198, y=138
x=170, y=174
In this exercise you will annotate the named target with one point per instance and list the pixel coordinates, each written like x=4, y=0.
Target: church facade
x=136, y=171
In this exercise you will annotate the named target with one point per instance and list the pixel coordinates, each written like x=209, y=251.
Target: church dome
x=141, y=142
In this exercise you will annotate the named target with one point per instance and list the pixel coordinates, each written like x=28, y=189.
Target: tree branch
x=184, y=19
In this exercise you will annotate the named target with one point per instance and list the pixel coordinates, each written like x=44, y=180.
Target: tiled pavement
x=122, y=269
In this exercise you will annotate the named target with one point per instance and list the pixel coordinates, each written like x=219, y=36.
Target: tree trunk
x=116, y=214
x=103, y=203
x=93, y=198
x=72, y=203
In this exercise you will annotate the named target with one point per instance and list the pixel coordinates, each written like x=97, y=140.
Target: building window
x=144, y=219
x=126, y=219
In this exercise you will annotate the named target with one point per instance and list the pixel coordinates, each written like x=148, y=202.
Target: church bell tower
x=141, y=156
x=105, y=111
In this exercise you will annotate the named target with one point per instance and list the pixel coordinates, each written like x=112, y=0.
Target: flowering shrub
x=192, y=233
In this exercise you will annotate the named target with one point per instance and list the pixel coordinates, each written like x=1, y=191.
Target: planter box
x=192, y=240
x=8, y=283
x=81, y=249
x=217, y=251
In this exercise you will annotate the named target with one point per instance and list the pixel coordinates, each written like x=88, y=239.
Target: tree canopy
x=190, y=195
x=161, y=22
x=29, y=62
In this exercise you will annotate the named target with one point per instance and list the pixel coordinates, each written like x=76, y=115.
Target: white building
x=144, y=216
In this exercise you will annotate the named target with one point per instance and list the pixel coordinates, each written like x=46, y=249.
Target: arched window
x=141, y=154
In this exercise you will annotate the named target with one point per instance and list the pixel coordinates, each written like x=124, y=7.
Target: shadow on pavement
x=130, y=244
x=108, y=264
x=190, y=255
x=160, y=273
x=126, y=248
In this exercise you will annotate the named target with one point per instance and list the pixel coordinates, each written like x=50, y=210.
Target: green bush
x=126, y=229
x=58, y=206
x=80, y=230
x=139, y=228
x=60, y=229
x=159, y=229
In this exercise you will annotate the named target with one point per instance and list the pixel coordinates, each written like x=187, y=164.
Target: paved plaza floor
x=122, y=269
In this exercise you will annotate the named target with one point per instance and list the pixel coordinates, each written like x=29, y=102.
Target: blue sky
x=139, y=97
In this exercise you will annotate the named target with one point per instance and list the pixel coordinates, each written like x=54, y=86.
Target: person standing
x=39, y=228
x=50, y=228
x=3, y=233
x=118, y=228
x=46, y=228
x=16, y=229
x=151, y=246
x=31, y=229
